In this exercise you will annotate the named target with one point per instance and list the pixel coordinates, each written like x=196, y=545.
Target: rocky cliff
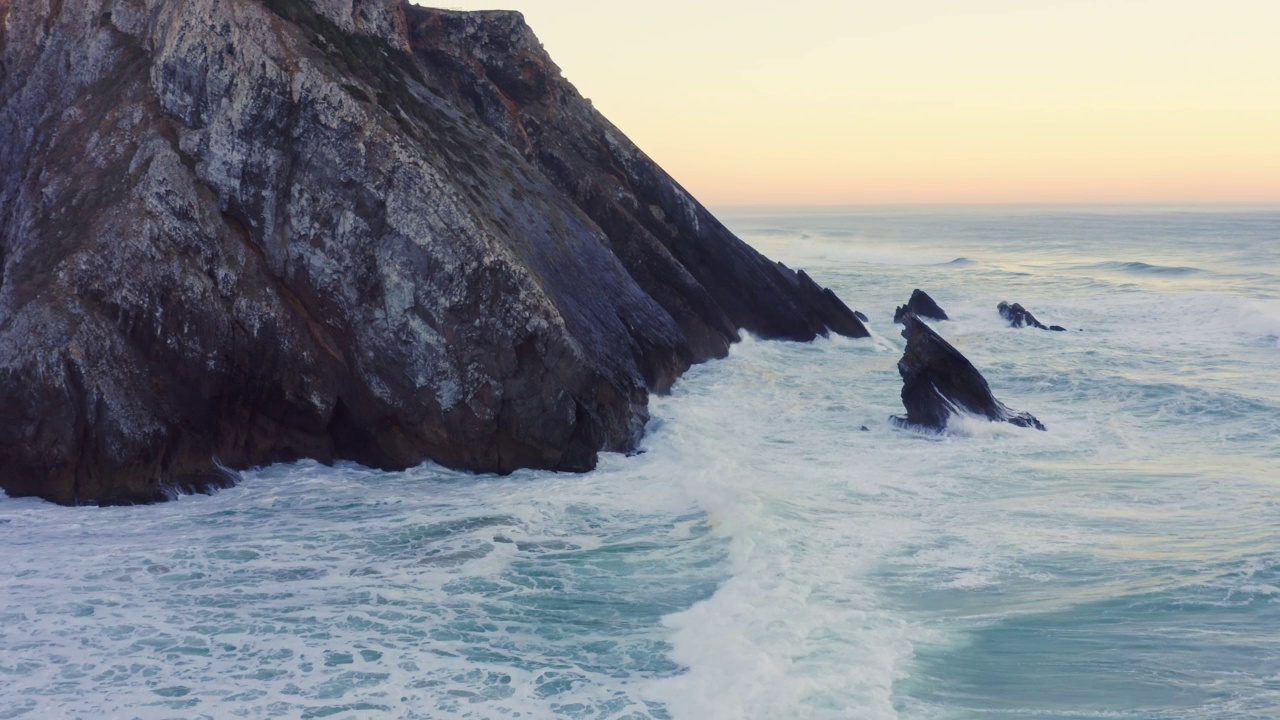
x=237, y=232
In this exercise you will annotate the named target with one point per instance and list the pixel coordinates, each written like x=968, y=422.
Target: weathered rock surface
x=938, y=381
x=237, y=232
x=490, y=66
x=920, y=305
x=1019, y=316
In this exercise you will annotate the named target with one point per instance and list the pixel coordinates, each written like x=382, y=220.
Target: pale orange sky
x=828, y=102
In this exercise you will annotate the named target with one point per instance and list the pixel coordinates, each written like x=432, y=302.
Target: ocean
x=780, y=549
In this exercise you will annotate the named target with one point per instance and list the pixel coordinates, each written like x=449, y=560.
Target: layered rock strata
x=238, y=232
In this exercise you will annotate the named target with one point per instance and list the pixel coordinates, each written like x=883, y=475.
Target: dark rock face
x=938, y=381
x=920, y=305
x=490, y=66
x=1019, y=316
x=239, y=233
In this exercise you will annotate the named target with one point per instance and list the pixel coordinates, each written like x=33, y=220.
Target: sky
x=934, y=101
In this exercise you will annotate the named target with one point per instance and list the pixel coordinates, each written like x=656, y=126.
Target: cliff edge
x=238, y=232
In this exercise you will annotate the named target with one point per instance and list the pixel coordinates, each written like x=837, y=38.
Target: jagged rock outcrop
x=938, y=381
x=1019, y=316
x=490, y=66
x=920, y=305
x=237, y=232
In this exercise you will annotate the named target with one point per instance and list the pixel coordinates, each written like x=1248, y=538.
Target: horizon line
x=1008, y=203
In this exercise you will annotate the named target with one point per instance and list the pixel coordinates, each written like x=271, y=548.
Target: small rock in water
x=938, y=381
x=1019, y=316
x=920, y=305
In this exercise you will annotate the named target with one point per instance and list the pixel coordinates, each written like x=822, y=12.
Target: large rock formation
x=937, y=382
x=237, y=232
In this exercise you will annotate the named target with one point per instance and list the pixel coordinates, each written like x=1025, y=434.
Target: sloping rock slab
x=938, y=382
x=491, y=67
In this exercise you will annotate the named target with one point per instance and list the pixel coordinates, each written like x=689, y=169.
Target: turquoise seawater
x=780, y=549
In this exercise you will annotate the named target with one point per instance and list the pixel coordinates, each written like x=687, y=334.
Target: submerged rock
x=240, y=233
x=1019, y=316
x=920, y=305
x=938, y=382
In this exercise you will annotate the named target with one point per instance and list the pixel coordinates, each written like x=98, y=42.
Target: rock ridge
x=492, y=67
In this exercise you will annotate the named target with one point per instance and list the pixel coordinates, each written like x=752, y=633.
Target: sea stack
x=240, y=233
x=938, y=381
x=920, y=305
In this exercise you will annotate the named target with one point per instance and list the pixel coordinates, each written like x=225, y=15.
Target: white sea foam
x=781, y=549
x=966, y=425
x=764, y=644
x=1261, y=318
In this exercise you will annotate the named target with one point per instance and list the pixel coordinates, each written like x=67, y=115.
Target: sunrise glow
x=819, y=101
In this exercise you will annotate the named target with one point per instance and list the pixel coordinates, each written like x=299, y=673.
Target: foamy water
x=780, y=550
